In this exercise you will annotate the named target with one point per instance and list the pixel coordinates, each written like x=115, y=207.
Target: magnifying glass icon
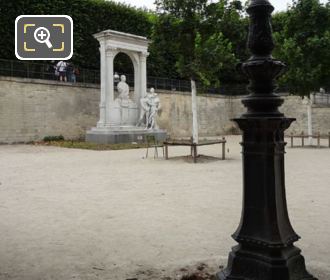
x=42, y=35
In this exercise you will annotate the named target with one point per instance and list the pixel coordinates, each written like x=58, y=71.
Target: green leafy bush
x=53, y=138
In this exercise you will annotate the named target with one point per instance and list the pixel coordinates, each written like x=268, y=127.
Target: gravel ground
x=79, y=214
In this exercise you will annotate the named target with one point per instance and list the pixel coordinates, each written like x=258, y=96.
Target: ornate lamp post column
x=265, y=235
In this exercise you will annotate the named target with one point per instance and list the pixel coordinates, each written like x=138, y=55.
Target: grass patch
x=91, y=146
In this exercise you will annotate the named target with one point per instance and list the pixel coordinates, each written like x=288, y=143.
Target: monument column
x=143, y=74
x=101, y=122
x=110, y=90
x=137, y=77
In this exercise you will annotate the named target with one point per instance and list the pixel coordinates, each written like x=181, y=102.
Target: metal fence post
x=12, y=68
x=43, y=70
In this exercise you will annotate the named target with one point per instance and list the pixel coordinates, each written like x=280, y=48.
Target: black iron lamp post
x=266, y=238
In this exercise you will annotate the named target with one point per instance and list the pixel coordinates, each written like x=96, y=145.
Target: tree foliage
x=189, y=15
x=303, y=40
x=191, y=38
x=225, y=20
x=203, y=37
x=89, y=17
x=164, y=49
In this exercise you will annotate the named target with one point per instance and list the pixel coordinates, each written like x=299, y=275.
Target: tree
x=226, y=19
x=202, y=51
x=189, y=14
x=199, y=38
x=213, y=57
x=163, y=49
x=303, y=40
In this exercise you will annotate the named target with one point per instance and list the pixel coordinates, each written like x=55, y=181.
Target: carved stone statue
x=145, y=110
x=150, y=105
x=155, y=106
x=124, y=106
x=123, y=88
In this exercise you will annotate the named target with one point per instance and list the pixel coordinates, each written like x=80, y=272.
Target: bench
x=193, y=146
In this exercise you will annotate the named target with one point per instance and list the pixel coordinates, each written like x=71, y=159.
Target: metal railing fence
x=321, y=99
x=46, y=71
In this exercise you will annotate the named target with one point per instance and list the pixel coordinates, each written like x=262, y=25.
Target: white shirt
x=61, y=66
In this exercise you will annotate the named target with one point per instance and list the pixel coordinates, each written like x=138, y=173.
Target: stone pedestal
x=122, y=134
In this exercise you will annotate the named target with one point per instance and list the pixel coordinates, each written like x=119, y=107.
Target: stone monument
x=121, y=110
x=150, y=106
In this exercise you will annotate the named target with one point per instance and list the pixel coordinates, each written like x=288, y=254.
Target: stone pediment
x=123, y=41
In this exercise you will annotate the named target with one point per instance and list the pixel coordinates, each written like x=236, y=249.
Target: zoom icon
x=43, y=37
x=39, y=35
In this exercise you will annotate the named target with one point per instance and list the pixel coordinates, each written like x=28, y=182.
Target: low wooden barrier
x=303, y=136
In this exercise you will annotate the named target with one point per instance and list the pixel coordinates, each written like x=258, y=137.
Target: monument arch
x=126, y=64
x=119, y=116
x=111, y=44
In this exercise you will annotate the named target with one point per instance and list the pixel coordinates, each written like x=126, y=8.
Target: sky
x=280, y=5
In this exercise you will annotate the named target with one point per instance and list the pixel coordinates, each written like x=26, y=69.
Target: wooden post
x=156, y=152
x=302, y=139
x=195, y=153
x=310, y=123
x=223, y=148
x=194, y=112
x=166, y=151
x=11, y=68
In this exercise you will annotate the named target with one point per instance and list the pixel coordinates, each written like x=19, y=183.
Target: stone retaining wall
x=32, y=109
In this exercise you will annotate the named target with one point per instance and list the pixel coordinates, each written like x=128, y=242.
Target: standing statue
x=150, y=105
x=154, y=108
x=145, y=109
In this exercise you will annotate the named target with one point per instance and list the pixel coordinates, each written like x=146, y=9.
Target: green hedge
x=89, y=16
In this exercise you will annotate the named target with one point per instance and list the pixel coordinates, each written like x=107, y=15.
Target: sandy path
x=75, y=214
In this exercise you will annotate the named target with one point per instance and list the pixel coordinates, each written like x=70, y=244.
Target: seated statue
x=125, y=110
x=123, y=91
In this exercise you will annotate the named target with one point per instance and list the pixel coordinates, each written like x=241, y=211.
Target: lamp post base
x=255, y=263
